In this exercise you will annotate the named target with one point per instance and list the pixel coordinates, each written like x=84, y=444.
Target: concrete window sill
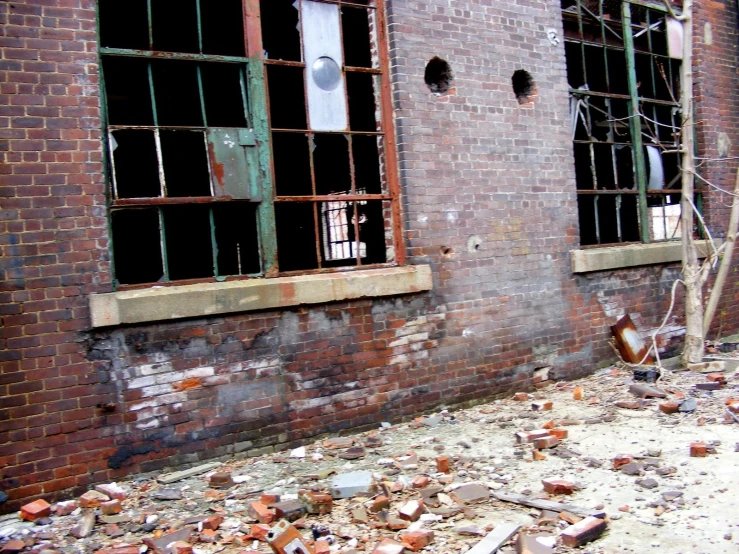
x=206, y=299
x=632, y=255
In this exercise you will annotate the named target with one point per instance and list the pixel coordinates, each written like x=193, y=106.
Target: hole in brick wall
x=438, y=76
x=446, y=251
x=523, y=86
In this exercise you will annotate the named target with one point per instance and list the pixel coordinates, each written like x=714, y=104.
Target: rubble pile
x=611, y=463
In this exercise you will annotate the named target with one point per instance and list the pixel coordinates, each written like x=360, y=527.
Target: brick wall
x=489, y=202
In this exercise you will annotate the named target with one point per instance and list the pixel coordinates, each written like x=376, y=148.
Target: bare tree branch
x=672, y=13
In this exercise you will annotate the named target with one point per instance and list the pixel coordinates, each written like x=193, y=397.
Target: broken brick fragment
x=261, y=513
x=521, y=396
x=669, y=407
x=420, y=482
x=561, y=434
x=549, y=425
x=213, y=522
x=322, y=546
x=208, y=536
x=628, y=405
x=558, y=486
x=621, y=460
x=316, y=502
x=180, y=547
x=259, y=532
x=92, y=499
x=577, y=393
x=382, y=502
x=698, y=450
x=268, y=499
x=538, y=456
x=569, y=518
x=546, y=442
x=416, y=540
x=35, y=510
x=411, y=511
x=112, y=490
x=389, y=546
x=221, y=480
x=111, y=507
x=716, y=378
x=12, y=547
x=583, y=532
x=442, y=464
x=65, y=508
x=524, y=437
x=542, y=406
x=290, y=510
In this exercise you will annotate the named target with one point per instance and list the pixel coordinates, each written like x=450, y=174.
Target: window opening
x=196, y=192
x=523, y=86
x=625, y=131
x=438, y=76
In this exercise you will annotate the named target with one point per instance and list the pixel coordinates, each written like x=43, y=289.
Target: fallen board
x=548, y=505
x=495, y=539
x=178, y=475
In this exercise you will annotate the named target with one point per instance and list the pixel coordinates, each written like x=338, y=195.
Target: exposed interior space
x=181, y=103
x=524, y=86
x=623, y=70
x=438, y=76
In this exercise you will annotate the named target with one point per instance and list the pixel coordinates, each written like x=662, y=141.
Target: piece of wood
x=178, y=475
x=547, y=505
x=495, y=539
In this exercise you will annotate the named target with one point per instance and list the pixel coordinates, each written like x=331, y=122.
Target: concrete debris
x=442, y=483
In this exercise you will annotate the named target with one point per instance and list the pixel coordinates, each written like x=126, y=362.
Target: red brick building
x=236, y=226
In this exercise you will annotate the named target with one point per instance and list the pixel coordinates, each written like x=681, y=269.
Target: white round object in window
x=326, y=73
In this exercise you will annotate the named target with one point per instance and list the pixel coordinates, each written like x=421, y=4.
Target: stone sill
x=207, y=299
x=632, y=255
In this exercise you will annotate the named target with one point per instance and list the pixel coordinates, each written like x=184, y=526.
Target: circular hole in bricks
x=446, y=251
x=523, y=86
x=438, y=76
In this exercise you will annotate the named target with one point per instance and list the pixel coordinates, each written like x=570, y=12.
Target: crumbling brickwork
x=489, y=202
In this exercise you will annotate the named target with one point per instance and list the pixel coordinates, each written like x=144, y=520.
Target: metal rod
x=635, y=122
x=213, y=241
x=202, y=96
x=163, y=242
x=157, y=54
x=333, y=197
x=200, y=28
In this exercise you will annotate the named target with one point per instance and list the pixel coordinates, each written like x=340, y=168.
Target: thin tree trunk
x=694, y=349
x=723, y=270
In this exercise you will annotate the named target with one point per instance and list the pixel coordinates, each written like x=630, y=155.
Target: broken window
x=246, y=139
x=623, y=70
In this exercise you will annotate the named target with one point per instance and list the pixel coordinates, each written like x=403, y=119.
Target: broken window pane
x=174, y=25
x=188, y=240
x=338, y=234
x=367, y=172
x=124, y=24
x=296, y=236
x=355, y=23
x=372, y=230
x=236, y=238
x=286, y=97
x=136, y=164
x=280, y=35
x=595, y=67
x=137, y=253
x=127, y=92
x=331, y=164
x=604, y=162
x=292, y=164
x=177, y=93
x=185, y=163
x=362, y=107
x=223, y=27
x=575, y=73
x=583, y=171
x=223, y=95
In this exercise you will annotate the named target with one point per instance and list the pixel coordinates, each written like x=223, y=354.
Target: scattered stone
x=470, y=493
x=420, y=482
x=442, y=464
x=669, y=496
x=381, y=502
x=112, y=490
x=646, y=391
x=539, y=543
x=469, y=531
x=85, y=525
x=495, y=539
x=521, y=396
x=688, y=405
x=185, y=473
x=316, y=502
x=347, y=485
x=647, y=483
x=261, y=513
x=291, y=510
x=353, y=453
x=632, y=468
x=168, y=494
x=360, y=515
x=542, y=406
x=111, y=507
x=163, y=545
x=546, y=442
x=628, y=405
x=221, y=480
x=12, y=547
x=338, y=443
x=388, y=546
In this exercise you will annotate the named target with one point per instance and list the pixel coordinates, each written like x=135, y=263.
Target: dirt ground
x=664, y=501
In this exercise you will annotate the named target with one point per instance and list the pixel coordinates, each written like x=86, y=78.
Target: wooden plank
x=548, y=505
x=495, y=539
x=178, y=475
